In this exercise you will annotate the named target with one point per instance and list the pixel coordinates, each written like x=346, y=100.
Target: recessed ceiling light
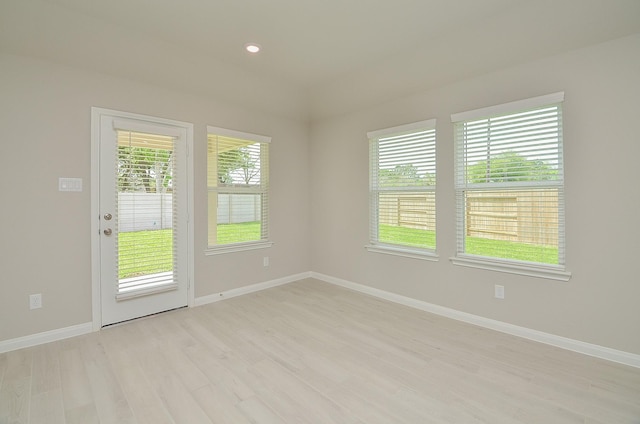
x=252, y=47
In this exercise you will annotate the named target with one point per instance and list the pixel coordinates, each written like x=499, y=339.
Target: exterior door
x=143, y=215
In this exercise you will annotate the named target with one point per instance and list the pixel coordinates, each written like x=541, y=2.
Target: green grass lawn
x=474, y=245
x=238, y=233
x=160, y=243
x=512, y=250
x=407, y=236
x=157, y=244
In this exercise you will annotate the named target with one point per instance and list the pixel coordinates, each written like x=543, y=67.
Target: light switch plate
x=69, y=184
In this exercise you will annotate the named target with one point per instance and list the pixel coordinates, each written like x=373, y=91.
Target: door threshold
x=115, y=324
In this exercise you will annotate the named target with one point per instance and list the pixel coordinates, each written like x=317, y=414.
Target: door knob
x=107, y=232
x=107, y=217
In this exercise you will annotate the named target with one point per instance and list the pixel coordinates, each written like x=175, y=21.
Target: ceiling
x=320, y=57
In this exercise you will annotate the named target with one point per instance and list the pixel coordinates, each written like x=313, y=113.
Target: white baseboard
x=46, y=337
x=78, y=330
x=597, y=351
x=216, y=297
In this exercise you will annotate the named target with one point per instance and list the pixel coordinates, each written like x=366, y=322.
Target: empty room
x=296, y=211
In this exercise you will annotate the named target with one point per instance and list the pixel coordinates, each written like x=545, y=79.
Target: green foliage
x=144, y=169
x=508, y=167
x=404, y=176
x=237, y=164
x=228, y=161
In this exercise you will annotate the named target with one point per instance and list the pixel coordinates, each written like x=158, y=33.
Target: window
x=509, y=187
x=238, y=186
x=147, y=200
x=402, y=190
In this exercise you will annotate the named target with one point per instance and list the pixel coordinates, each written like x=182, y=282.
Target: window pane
x=238, y=185
x=513, y=224
x=509, y=183
x=145, y=211
x=407, y=218
x=513, y=148
x=238, y=162
x=407, y=161
x=239, y=218
x=403, y=178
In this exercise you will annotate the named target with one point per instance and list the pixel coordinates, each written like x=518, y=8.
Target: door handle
x=107, y=232
x=107, y=217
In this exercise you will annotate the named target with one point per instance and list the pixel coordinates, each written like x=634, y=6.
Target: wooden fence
x=411, y=210
x=526, y=216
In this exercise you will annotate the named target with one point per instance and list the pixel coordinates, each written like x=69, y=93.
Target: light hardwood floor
x=309, y=352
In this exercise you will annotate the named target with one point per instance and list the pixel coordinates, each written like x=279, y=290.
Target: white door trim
x=96, y=114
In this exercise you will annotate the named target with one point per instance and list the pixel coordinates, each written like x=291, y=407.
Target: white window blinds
x=402, y=186
x=509, y=181
x=146, y=210
x=238, y=185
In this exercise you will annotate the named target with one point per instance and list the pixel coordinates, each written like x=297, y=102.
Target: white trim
x=216, y=297
x=191, y=170
x=429, y=124
x=80, y=329
x=403, y=251
x=511, y=107
x=589, y=349
x=146, y=292
x=532, y=270
x=240, y=247
x=514, y=185
x=96, y=306
x=45, y=337
x=142, y=122
x=224, y=132
x=143, y=126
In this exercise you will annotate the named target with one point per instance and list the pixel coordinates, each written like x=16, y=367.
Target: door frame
x=96, y=114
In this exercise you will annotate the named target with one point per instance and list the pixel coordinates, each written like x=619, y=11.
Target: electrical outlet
x=499, y=292
x=265, y=261
x=35, y=301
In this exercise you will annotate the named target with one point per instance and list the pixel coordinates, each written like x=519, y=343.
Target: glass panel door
x=144, y=225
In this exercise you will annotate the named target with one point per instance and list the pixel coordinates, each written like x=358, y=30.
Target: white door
x=143, y=222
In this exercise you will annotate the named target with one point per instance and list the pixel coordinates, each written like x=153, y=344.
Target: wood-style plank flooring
x=304, y=353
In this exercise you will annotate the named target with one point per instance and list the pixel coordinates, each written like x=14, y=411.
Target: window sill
x=549, y=272
x=239, y=247
x=406, y=252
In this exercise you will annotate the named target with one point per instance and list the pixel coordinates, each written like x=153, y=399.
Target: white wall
x=45, y=234
x=600, y=304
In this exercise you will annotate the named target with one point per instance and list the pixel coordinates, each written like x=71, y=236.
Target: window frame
x=375, y=245
x=264, y=242
x=528, y=268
